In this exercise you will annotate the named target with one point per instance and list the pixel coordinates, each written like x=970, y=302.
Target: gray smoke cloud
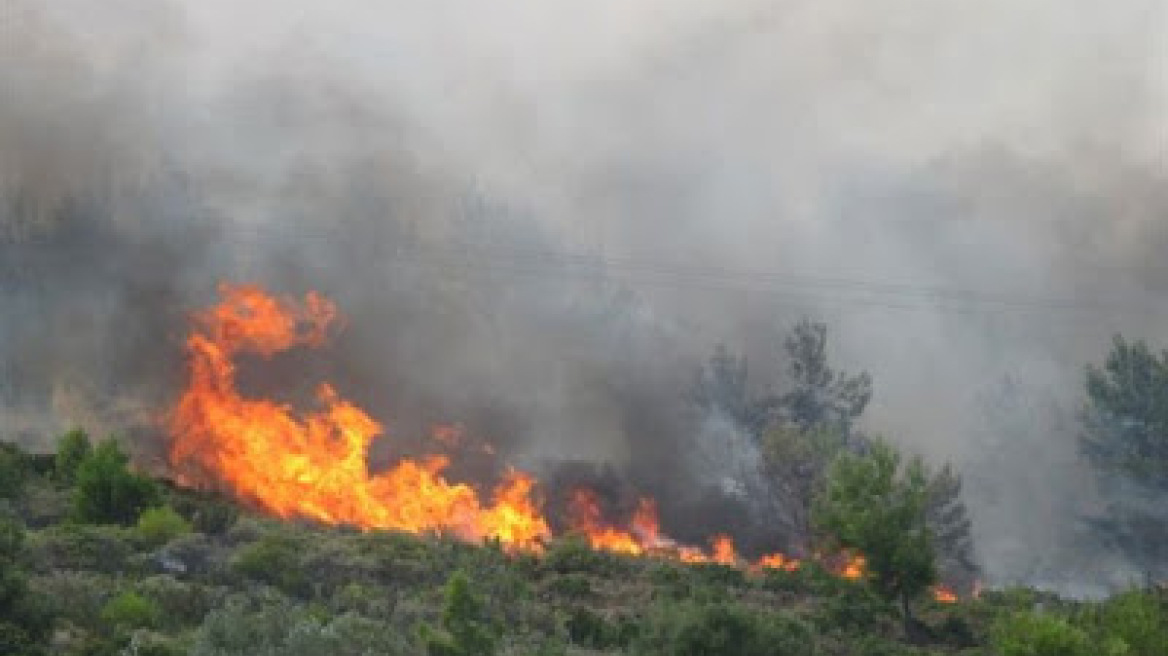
x=964, y=192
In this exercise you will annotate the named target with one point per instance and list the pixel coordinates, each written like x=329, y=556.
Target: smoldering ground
x=539, y=217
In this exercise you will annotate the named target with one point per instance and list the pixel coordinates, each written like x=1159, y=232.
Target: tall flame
x=315, y=464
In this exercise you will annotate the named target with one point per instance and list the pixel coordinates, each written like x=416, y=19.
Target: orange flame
x=315, y=465
x=944, y=595
x=778, y=561
x=854, y=567
x=585, y=518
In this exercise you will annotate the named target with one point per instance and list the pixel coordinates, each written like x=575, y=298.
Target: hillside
x=186, y=572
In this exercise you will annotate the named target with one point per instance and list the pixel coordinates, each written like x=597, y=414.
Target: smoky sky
x=539, y=217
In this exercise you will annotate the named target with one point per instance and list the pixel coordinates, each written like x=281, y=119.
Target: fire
x=944, y=595
x=315, y=464
x=778, y=561
x=584, y=517
x=853, y=567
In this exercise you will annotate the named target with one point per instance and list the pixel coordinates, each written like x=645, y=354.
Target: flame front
x=315, y=465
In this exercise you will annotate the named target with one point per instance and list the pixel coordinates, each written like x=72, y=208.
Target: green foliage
x=1137, y=618
x=108, y=492
x=274, y=559
x=157, y=526
x=12, y=581
x=874, y=505
x=81, y=547
x=180, y=603
x=13, y=471
x=573, y=554
x=275, y=627
x=130, y=610
x=72, y=449
x=1027, y=633
x=689, y=629
x=466, y=628
x=854, y=608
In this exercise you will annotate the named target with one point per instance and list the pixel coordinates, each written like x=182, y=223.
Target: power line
x=547, y=264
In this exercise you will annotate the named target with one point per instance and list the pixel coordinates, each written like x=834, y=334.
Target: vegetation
x=877, y=507
x=1125, y=437
x=167, y=584
x=107, y=491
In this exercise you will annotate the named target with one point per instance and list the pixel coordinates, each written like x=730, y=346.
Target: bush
x=180, y=603
x=573, y=554
x=275, y=560
x=12, y=472
x=722, y=630
x=72, y=450
x=108, y=492
x=77, y=596
x=130, y=610
x=279, y=628
x=157, y=526
x=1027, y=633
x=80, y=547
x=1137, y=618
x=466, y=628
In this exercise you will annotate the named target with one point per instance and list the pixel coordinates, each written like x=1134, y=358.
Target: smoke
x=539, y=217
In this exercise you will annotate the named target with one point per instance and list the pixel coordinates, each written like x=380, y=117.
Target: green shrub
x=275, y=560
x=129, y=610
x=722, y=630
x=80, y=547
x=72, y=450
x=572, y=586
x=466, y=628
x=77, y=596
x=12, y=472
x=108, y=492
x=854, y=608
x=1026, y=633
x=1138, y=618
x=180, y=603
x=587, y=628
x=157, y=526
x=275, y=627
x=573, y=554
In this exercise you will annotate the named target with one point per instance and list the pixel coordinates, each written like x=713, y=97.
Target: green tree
x=72, y=450
x=1125, y=437
x=108, y=492
x=466, y=628
x=874, y=504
